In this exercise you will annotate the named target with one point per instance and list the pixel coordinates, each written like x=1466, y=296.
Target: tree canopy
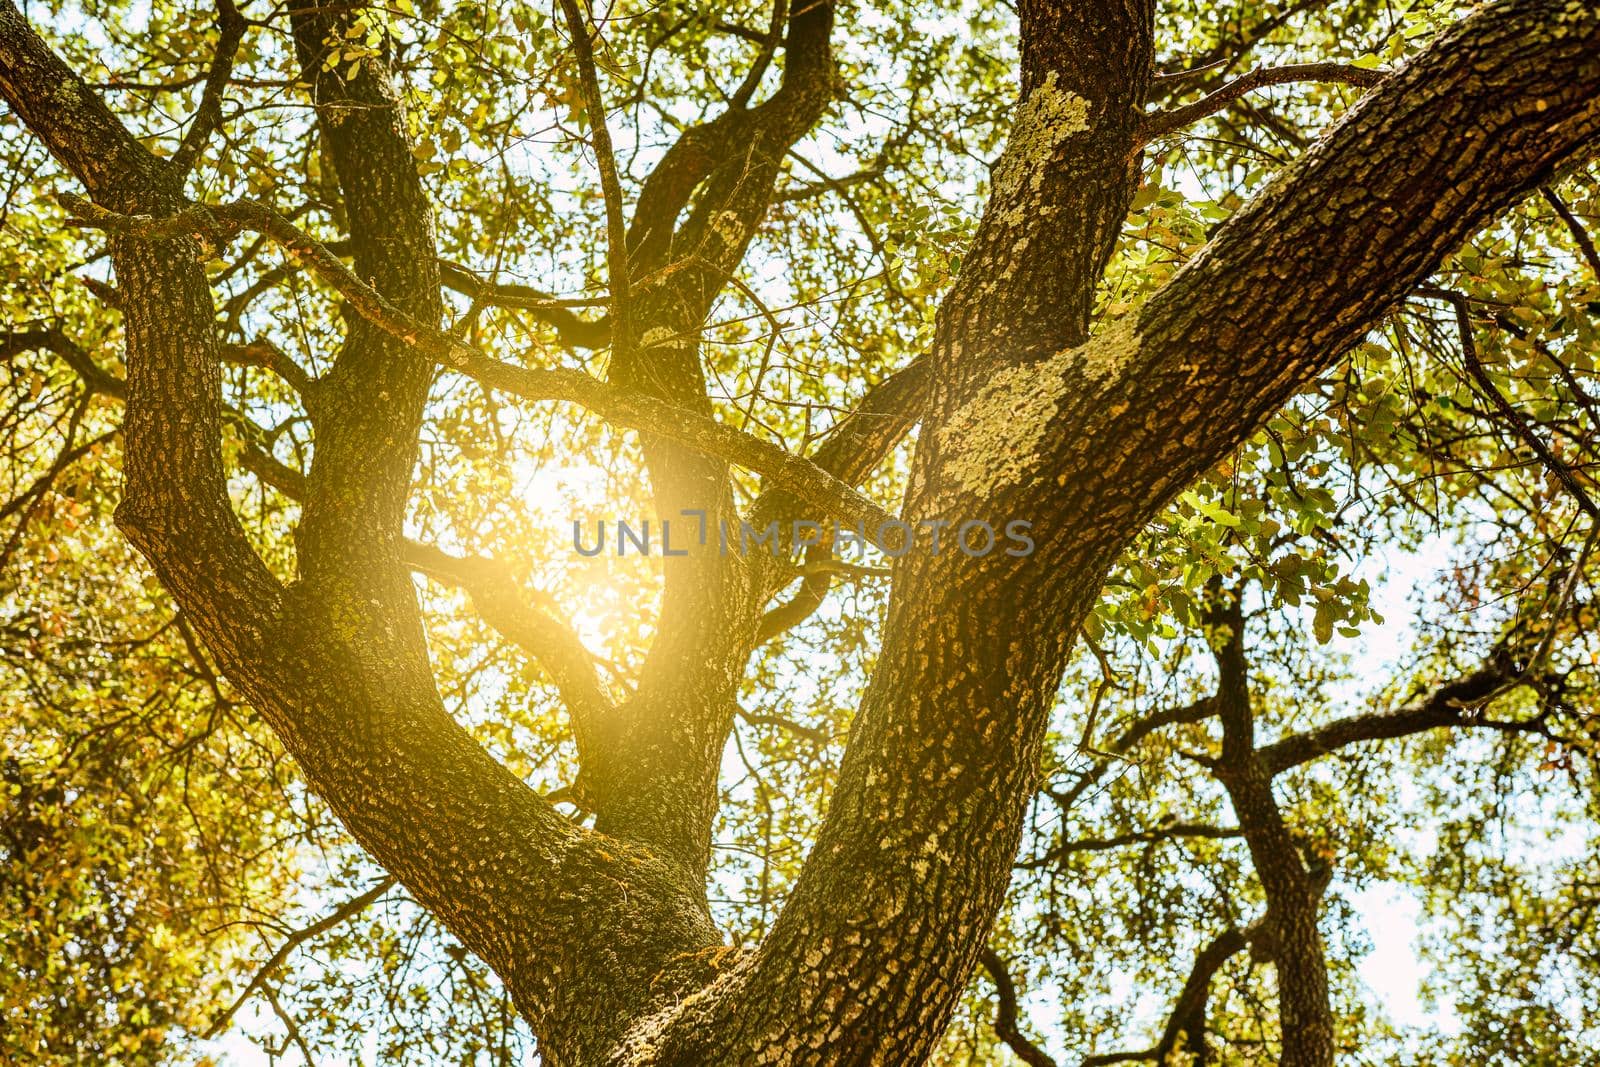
x=1260, y=336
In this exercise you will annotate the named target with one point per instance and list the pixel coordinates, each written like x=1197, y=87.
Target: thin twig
x=1576, y=228
x=348, y=910
x=1336, y=73
x=1469, y=351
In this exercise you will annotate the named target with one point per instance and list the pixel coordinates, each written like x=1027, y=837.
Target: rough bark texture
x=603, y=937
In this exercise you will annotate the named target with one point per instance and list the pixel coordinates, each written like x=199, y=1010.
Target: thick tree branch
x=1186, y=1023
x=573, y=330
x=1169, y=832
x=1293, y=893
x=269, y=357
x=372, y=399
x=531, y=625
x=856, y=446
x=777, y=621
x=69, y=117
x=176, y=506
x=1059, y=192
x=768, y=48
x=52, y=339
x=860, y=442
x=1580, y=235
x=1005, y=1019
x=662, y=789
x=1482, y=118
x=208, y=117
x=1232, y=49
x=738, y=151
x=1458, y=702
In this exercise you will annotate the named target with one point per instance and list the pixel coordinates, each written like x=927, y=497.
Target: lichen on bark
x=993, y=440
x=1045, y=120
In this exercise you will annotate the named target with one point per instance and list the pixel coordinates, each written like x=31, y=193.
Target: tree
x=1038, y=387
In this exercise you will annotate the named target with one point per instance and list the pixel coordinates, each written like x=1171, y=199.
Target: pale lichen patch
x=1110, y=350
x=657, y=337
x=994, y=439
x=727, y=227
x=995, y=436
x=1045, y=120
